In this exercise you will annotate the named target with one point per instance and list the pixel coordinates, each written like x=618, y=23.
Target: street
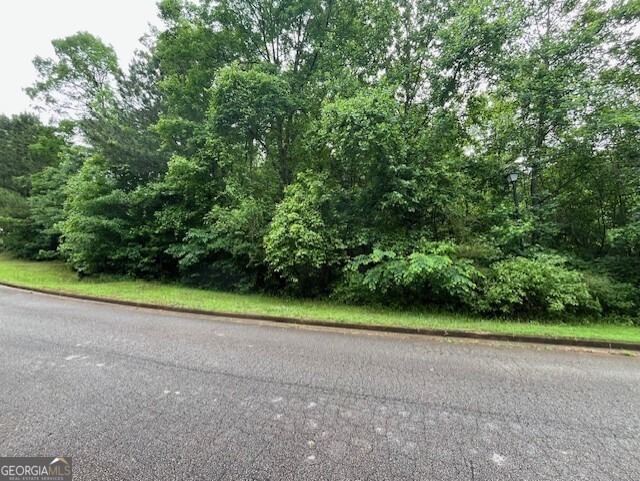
x=135, y=394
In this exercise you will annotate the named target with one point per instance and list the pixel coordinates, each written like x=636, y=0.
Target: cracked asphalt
x=134, y=394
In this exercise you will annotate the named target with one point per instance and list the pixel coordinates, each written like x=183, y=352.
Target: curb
x=556, y=341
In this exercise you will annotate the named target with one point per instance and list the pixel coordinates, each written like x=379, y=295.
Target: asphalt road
x=137, y=394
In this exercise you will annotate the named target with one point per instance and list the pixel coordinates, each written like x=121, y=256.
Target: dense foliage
x=351, y=149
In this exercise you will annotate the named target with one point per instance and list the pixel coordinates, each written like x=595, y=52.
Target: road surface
x=138, y=394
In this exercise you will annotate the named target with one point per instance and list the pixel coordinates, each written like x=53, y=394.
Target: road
x=138, y=394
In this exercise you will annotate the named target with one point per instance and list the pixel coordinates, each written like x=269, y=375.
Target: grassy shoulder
x=56, y=276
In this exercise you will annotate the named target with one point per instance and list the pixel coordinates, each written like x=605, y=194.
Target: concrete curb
x=557, y=341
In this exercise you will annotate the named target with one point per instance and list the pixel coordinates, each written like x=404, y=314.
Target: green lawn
x=55, y=276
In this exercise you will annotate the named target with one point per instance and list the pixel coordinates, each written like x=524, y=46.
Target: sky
x=28, y=26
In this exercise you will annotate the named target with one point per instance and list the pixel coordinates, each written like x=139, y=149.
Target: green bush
x=46, y=204
x=94, y=231
x=614, y=297
x=541, y=286
x=432, y=274
x=226, y=252
x=623, y=259
x=301, y=246
x=169, y=209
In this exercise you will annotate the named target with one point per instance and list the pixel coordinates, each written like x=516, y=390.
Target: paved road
x=137, y=394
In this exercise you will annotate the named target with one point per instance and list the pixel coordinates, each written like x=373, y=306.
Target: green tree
x=26, y=147
x=248, y=110
x=95, y=229
x=303, y=244
x=81, y=80
x=124, y=134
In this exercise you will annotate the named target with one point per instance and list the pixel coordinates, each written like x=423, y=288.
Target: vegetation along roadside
x=477, y=159
x=56, y=276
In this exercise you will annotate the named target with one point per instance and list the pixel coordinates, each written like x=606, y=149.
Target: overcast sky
x=28, y=26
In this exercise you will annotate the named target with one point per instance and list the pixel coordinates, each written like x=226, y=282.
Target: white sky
x=28, y=26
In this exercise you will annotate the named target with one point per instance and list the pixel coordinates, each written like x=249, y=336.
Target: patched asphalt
x=134, y=394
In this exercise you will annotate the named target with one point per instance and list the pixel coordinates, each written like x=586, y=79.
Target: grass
x=56, y=276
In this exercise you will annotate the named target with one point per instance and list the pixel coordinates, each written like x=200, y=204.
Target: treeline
x=343, y=148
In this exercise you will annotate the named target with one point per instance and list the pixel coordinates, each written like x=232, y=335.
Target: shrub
x=94, y=231
x=431, y=274
x=614, y=297
x=623, y=259
x=542, y=285
x=301, y=246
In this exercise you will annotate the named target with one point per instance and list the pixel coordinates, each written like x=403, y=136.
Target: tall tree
x=26, y=148
x=80, y=81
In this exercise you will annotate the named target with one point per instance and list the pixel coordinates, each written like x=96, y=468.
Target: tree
x=124, y=134
x=549, y=80
x=80, y=81
x=303, y=244
x=249, y=109
x=26, y=147
x=190, y=51
x=46, y=204
x=94, y=232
